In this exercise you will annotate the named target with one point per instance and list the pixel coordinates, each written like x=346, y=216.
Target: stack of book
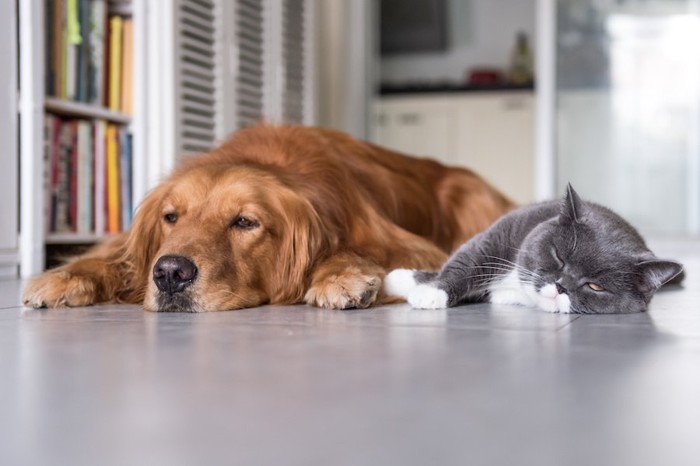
x=88, y=157
x=89, y=53
x=88, y=176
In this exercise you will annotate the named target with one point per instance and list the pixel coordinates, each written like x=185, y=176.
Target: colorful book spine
x=113, y=184
x=49, y=15
x=125, y=165
x=73, y=39
x=73, y=177
x=115, y=62
x=62, y=176
x=127, y=73
x=49, y=129
x=85, y=178
x=96, y=63
x=54, y=167
x=100, y=176
x=60, y=45
x=83, y=51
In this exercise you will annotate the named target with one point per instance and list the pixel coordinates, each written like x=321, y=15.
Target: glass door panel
x=628, y=108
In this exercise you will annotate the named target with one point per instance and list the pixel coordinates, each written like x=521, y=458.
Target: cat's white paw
x=425, y=296
x=399, y=282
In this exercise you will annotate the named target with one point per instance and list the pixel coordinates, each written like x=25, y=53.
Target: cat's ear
x=571, y=206
x=655, y=273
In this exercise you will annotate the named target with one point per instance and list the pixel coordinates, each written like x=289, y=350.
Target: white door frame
x=545, y=105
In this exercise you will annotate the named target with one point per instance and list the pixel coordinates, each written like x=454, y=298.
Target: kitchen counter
x=433, y=88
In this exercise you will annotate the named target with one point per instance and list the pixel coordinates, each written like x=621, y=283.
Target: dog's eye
x=170, y=217
x=244, y=223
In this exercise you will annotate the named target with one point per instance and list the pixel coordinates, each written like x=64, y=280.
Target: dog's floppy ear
x=145, y=238
x=303, y=242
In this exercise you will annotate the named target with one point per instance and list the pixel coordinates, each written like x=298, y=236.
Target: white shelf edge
x=80, y=109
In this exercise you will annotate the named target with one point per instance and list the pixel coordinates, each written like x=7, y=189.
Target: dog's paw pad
x=427, y=297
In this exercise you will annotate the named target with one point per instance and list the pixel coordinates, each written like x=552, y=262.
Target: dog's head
x=224, y=237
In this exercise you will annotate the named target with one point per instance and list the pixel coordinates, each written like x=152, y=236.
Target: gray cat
x=568, y=256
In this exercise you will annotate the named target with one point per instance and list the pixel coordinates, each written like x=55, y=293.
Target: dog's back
x=446, y=205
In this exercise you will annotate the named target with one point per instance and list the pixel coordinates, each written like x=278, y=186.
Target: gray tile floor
x=473, y=385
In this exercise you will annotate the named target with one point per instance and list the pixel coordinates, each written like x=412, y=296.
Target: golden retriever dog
x=279, y=215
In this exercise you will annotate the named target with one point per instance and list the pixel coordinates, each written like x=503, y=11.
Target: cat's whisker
x=512, y=266
x=518, y=266
x=502, y=270
x=488, y=266
x=485, y=281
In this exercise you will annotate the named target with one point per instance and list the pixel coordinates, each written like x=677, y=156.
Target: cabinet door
x=496, y=139
x=9, y=193
x=419, y=127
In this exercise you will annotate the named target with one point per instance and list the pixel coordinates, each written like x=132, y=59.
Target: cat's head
x=589, y=260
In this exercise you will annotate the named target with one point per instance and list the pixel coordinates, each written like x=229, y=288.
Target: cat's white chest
x=510, y=290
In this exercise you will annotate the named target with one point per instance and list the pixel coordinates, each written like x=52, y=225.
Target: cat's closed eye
x=595, y=286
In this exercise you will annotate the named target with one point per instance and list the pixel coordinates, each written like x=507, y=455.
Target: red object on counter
x=483, y=77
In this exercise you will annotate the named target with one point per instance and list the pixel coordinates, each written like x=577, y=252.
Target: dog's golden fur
x=281, y=215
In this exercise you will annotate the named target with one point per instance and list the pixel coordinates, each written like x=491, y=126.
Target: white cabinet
x=423, y=126
x=491, y=133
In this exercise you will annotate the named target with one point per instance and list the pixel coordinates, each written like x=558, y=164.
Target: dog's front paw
x=59, y=289
x=347, y=290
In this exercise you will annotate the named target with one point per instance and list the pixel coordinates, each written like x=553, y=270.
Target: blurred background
x=531, y=94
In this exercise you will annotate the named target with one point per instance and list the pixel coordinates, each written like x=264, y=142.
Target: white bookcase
x=8, y=136
x=34, y=104
x=197, y=63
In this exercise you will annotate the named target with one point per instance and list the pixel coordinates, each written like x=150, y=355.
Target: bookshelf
x=77, y=125
x=88, y=73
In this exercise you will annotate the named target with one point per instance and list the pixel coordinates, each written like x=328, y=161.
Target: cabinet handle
x=410, y=118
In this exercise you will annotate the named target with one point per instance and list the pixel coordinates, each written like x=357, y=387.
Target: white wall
x=482, y=33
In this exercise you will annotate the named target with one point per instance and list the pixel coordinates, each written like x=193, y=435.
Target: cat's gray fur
x=562, y=256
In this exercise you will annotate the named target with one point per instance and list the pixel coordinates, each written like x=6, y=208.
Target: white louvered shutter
x=249, y=78
x=214, y=66
x=196, y=111
x=268, y=62
x=294, y=63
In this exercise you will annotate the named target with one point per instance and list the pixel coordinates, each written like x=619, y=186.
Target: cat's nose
x=560, y=288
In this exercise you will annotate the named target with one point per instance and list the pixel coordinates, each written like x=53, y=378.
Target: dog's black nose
x=172, y=274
